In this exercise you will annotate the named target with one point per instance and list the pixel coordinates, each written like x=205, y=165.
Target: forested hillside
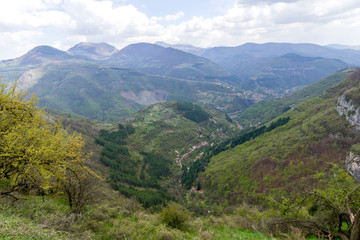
x=286, y=158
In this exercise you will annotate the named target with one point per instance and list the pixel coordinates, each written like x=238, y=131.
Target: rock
x=353, y=165
x=350, y=111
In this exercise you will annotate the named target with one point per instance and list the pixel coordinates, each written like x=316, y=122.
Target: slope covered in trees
x=287, y=158
x=266, y=110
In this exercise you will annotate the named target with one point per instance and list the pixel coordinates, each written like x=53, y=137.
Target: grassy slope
x=111, y=218
x=163, y=129
x=285, y=158
x=111, y=215
x=266, y=110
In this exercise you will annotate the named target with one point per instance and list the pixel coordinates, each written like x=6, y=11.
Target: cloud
x=170, y=17
x=254, y=2
x=17, y=43
x=63, y=23
x=291, y=21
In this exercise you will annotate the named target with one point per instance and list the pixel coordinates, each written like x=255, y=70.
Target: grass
x=112, y=217
x=226, y=233
x=18, y=228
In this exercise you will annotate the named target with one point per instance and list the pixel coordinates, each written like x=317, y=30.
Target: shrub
x=174, y=216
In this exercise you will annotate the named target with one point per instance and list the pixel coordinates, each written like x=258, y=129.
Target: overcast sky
x=25, y=24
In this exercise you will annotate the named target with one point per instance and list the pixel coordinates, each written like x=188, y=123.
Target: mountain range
x=104, y=83
x=221, y=152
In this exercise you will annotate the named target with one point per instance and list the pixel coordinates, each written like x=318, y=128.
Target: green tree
x=331, y=210
x=36, y=153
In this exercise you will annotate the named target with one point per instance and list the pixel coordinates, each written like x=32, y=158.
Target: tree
x=36, y=153
x=331, y=210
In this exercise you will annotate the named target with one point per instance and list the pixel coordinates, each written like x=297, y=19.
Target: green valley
x=150, y=142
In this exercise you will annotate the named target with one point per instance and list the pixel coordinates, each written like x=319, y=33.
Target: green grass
x=19, y=228
x=112, y=217
x=226, y=233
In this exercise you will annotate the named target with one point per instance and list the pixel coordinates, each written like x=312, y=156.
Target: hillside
x=100, y=82
x=279, y=68
x=223, y=55
x=140, y=158
x=286, y=158
x=146, y=153
x=92, y=51
x=170, y=62
x=279, y=75
x=179, y=130
x=266, y=110
x=184, y=47
x=90, y=79
x=109, y=93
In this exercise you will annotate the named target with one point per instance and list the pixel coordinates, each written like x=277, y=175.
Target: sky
x=25, y=24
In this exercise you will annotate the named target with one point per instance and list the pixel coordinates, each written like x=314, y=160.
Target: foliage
x=326, y=210
x=355, y=149
x=109, y=93
x=123, y=169
x=189, y=176
x=163, y=130
x=36, y=153
x=197, y=115
x=174, y=216
x=79, y=188
x=286, y=158
x=192, y=112
x=184, y=106
x=266, y=110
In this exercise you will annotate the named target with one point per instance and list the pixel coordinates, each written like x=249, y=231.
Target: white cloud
x=170, y=17
x=63, y=23
x=17, y=43
x=280, y=21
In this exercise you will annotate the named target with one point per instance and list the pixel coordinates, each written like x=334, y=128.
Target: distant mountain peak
x=46, y=50
x=183, y=47
x=43, y=54
x=95, y=51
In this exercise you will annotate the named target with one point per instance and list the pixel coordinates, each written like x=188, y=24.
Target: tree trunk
x=355, y=232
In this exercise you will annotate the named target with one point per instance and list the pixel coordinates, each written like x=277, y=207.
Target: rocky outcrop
x=347, y=108
x=144, y=97
x=29, y=79
x=353, y=165
x=351, y=112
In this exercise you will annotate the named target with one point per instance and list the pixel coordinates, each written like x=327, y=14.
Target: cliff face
x=353, y=165
x=347, y=108
x=350, y=111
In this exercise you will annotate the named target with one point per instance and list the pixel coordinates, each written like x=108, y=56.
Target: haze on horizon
x=25, y=24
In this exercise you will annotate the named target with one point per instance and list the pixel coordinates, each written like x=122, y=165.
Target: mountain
x=339, y=46
x=224, y=55
x=184, y=47
x=179, y=129
x=157, y=60
x=266, y=110
x=278, y=68
x=92, y=51
x=109, y=93
x=13, y=68
x=286, y=157
x=282, y=74
x=146, y=151
x=43, y=55
x=77, y=81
